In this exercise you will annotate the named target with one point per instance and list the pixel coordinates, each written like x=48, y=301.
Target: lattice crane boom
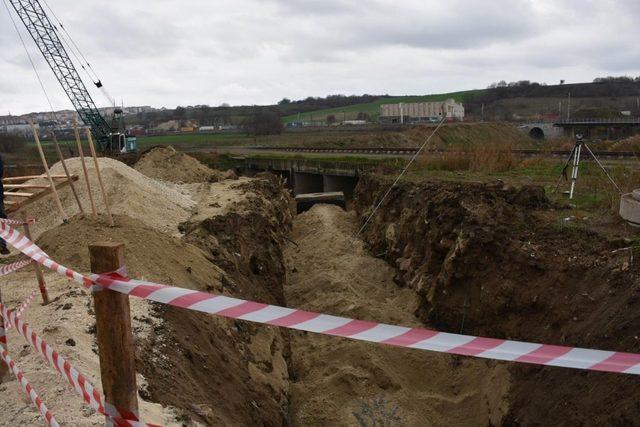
x=46, y=37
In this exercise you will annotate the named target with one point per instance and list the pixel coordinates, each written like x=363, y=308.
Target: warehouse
x=421, y=111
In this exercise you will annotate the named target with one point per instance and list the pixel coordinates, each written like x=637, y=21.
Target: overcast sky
x=188, y=52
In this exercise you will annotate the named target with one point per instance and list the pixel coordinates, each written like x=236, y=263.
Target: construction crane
x=111, y=138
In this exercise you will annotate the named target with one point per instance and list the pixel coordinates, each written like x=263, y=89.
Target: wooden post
x=113, y=324
x=41, y=283
x=95, y=162
x=4, y=368
x=84, y=167
x=46, y=169
x=66, y=172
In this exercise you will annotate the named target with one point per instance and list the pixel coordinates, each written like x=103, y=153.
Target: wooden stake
x=84, y=168
x=4, y=369
x=46, y=169
x=95, y=162
x=41, y=283
x=113, y=327
x=66, y=172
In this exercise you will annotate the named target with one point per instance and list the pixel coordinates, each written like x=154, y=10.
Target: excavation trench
x=336, y=381
x=481, y=259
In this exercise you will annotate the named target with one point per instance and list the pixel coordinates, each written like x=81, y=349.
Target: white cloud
x=167, y=53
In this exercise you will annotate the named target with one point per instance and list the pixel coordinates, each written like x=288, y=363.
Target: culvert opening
x=536, y=133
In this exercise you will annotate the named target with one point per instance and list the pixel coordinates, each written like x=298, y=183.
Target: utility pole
x=482, y=112
x=569, y=106
x=401, y=115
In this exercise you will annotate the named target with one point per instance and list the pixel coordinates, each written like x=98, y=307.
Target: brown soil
x=167, y=164
x=454, y=135
x=200, y=368
x=220, y=364
x=158, y=205
x=342, y=382
x=484, y=259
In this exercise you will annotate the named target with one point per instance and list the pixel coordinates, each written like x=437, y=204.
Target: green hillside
x=373, y=108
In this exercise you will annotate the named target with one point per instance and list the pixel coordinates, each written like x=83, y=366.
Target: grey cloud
x=163, y=52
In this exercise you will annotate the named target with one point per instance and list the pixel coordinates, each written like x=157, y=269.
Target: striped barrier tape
x=14, y=266
x=26, y=303
x=418, y=338
x=48, y=416
x=24, y=306
x=79, y=382
x=17, y=222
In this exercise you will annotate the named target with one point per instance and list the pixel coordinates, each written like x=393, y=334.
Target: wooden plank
x=25, y=186
x=37, y=196
x=28, y=177
x=17, y=194
x=39, y=276
x=4, y=369
x=113, y=332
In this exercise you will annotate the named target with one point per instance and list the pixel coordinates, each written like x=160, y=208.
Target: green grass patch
x=373, y=108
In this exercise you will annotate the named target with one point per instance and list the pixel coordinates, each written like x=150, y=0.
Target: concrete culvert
x=536, y=133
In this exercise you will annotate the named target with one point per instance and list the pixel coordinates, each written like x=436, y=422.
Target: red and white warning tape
x=14, y=266
x=24, y=306
x=26, y=303
x=17, y=222
x=79, y=382
x=418, y=338
x=48, y=416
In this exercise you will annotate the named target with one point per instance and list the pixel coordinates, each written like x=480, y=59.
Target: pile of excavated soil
x=197, y=368
x=167, y=164
x=342, y=382
x=159, y=205
x=68, y=323
x=201, y=368
x=485, y=259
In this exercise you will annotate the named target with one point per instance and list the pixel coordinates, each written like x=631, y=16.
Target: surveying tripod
x=574, y=160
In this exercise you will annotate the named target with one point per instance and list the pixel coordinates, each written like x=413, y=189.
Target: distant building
x=19, y=129
x=421, y=112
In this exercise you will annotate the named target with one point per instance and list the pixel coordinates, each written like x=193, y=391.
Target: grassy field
x=373, y=108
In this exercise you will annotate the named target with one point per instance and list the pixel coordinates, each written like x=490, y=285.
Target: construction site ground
x=484, y=259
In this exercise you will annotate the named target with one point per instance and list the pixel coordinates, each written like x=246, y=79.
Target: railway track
x=412, y=151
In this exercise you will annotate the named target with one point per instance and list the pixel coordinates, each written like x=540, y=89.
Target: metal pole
x=574, y=172
x=603, y=168
x=565, y=167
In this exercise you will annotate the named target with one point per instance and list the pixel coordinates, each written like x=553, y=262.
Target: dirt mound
x=341, y=382
x=209, y=368
x=159, y=205
x=485, y=261
x=167, y=164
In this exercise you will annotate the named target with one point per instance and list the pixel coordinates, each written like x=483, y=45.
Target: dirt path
x=342, y=382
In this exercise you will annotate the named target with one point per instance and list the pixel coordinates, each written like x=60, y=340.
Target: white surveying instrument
x=574, y=160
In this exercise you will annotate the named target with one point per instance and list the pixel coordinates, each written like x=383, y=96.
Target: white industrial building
x=421, y=111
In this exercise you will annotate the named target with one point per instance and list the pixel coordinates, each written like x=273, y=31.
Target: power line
x=415, y=156
x=24, y=45
x=95, y=78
